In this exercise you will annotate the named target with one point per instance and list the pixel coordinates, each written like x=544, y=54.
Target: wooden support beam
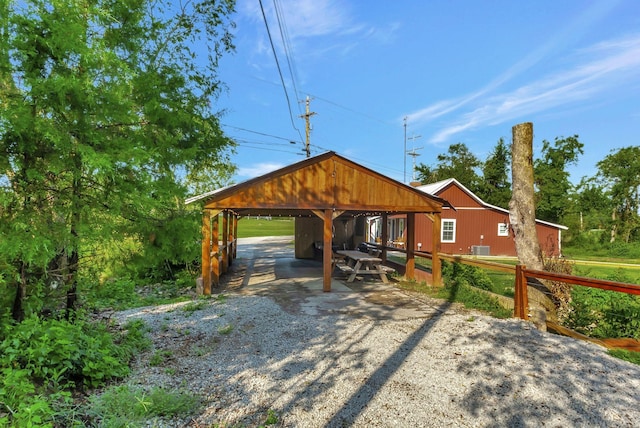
x=436, y=266
x=327, y=252
x=410, y=246
x=233, y=226
x=384, y=236
x=225, y=241
x=206, y=252
x=215, y=250
x=235, y=235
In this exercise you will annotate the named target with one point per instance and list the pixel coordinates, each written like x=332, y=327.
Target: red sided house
x=472, y=227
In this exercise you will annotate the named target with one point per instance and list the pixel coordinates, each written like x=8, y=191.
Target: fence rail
x=521, y=298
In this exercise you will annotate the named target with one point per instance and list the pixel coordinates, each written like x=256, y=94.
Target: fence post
x=520, y=298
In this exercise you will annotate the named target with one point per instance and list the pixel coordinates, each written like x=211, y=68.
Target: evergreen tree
x=106, y=110
x=458, y=163
x=495, y=187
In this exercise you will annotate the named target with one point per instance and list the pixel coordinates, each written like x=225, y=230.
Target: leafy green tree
x=593, y=204
x=495, y=187
x=106, y=111
x=552, y=179
x=458, y=163
x=620, y=172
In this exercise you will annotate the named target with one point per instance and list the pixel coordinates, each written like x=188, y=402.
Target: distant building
x=472, y=227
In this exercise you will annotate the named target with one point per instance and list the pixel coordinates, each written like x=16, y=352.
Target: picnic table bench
x=359, y=263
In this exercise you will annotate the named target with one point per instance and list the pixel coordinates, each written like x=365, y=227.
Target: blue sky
x=459, y=71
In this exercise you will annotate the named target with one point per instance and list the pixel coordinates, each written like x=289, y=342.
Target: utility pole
x=404, y=153
x=413, y=154
x=307, y=116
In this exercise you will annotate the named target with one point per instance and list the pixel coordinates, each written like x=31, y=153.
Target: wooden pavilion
x=328, y=186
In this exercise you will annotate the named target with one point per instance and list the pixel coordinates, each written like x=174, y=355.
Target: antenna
x=413, y=154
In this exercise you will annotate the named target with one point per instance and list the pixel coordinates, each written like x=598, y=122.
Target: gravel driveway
x=372, y=356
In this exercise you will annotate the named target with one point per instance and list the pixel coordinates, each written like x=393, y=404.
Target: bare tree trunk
x=613, y=226
x=522, y=212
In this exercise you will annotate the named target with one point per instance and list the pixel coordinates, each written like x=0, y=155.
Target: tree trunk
x=522, y=212
x=17, y=311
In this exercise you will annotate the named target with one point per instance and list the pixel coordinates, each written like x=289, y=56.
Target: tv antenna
x=413, y=154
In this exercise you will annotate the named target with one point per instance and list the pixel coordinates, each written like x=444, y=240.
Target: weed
x=159, y=358
x=226, y=329
x=193, y=306
x=132, y=406
x=272, y=417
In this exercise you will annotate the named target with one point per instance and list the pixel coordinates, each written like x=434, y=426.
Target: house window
x=448, y=231
x=503, y=229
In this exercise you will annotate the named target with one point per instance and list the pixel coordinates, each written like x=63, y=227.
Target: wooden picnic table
x=359, y=263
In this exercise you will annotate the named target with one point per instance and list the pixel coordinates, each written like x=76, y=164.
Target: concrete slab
x=267, y=267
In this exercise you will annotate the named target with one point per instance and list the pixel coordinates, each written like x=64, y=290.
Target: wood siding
x=328, y=182
x=472, y=223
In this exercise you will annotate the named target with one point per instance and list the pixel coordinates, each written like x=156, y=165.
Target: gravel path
x=249, y=355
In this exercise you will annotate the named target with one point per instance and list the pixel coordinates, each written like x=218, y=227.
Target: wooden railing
x=522, y=274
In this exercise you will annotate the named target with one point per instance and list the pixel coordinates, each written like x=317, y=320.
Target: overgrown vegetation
x=43, y=361
x=459, y=286
x=126, y=406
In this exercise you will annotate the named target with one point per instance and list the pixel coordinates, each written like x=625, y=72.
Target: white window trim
x=442, y=222
x=503, y=231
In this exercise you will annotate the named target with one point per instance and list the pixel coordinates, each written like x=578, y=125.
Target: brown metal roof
x=326, y=181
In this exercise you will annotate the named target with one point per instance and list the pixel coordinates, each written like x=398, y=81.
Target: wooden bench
x=385, y=269
x=345, y=268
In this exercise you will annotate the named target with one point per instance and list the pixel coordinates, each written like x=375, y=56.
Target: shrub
x=132, y=406
x=603, y=313
x=41, y=360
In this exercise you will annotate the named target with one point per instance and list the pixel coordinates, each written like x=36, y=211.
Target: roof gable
x=326, y=181
x=459, y=196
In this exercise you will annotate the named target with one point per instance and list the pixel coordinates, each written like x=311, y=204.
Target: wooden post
x=436, y=265
x=215, y=250
x=225, y=241
x=327, y=251
x=206, y=252
x=520, y=297
x=410, y=239
x=232, y=237
x=384, y=236
x=235, y=235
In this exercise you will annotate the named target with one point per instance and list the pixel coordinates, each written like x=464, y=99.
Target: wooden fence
x=521, y=294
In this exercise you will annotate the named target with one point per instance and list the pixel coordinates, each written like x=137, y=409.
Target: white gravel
x=337, y=368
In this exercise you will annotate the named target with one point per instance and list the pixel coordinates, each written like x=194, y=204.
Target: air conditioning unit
x=480, y=250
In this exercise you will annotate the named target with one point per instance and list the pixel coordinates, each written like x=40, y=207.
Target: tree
x=106, y=109
x=620, y=173
x=458, y=163
x=495, y=187
x=593, y=204
x=552, y=179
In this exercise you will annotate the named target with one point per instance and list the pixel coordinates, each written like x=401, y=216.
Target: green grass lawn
x=278, y=226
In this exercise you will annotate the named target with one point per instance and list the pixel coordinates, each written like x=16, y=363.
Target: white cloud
x=258, y=169
x=609, y=64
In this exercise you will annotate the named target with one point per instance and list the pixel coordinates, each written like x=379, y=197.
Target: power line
x=257, y=132
x=284, y=87
x=286, y=43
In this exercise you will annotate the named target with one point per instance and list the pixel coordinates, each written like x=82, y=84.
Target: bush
x=603, y=313
x=461, y=274
x=42, y=360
